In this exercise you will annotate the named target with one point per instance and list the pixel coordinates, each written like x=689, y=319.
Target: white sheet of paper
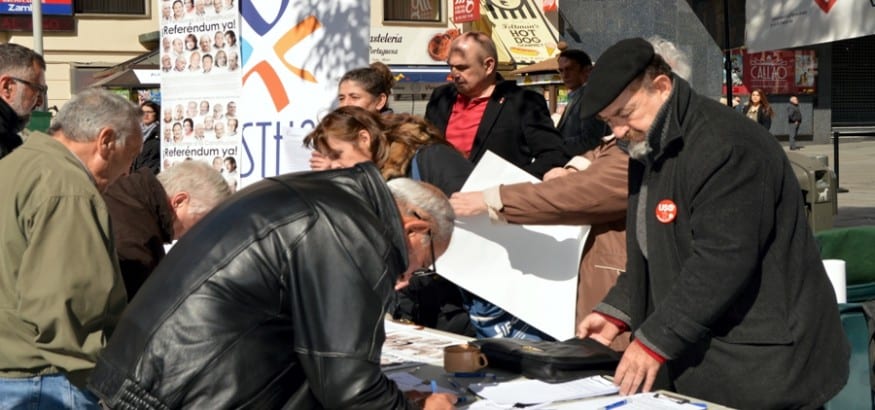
x=528, y=270
x=531, y=392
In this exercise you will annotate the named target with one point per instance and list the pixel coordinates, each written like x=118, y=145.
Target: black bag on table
x=552, y=362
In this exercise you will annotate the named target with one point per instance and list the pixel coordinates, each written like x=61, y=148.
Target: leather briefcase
x=551, y=362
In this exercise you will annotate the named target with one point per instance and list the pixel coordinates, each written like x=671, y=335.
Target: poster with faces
x=201, y=82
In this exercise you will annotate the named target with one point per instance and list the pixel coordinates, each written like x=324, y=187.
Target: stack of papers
x=523, y=393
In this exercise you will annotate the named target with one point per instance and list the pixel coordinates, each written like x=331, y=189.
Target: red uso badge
x=666, y=211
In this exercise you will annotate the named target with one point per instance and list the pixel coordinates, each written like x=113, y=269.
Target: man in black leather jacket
x=277, y=298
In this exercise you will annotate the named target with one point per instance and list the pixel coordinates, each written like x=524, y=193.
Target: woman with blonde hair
x=401, y=145
x=758, y=108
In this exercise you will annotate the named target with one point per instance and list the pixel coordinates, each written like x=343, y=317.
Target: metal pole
x=36, y=10
x=728, y=53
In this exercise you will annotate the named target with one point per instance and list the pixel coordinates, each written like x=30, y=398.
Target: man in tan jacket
x=595, y=195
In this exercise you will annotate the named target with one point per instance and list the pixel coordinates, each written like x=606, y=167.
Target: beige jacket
x=597, y=196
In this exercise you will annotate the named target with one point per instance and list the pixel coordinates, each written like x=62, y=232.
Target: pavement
x=856, y=174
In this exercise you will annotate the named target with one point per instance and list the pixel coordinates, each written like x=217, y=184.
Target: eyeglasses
x=42, y=89
x=426, y=271
x=148, y=112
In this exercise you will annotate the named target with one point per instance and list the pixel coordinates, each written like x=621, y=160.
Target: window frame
x=147, y=11
x=440, y=22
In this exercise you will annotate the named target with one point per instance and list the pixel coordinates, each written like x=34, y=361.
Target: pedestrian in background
x=758, y=109
x=794, y=117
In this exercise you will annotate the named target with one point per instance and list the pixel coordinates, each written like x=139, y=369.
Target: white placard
x=835, y=270
x=528, y=270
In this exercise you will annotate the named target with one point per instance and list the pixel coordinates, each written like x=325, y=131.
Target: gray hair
x=205, y=186
x=677, y=59
x=93, y=109
x=428, y=202
x=17, y=59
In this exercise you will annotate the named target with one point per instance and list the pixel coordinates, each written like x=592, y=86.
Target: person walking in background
x=61, y=291
x=794, y=117
x=149, y=212
x=737, y=105
x=578, y=134
x=22, y=89
x=758, y=109
x=150, y=156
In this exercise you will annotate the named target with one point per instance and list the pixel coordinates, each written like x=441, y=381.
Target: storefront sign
x=466, y=10
x=523, y=29
x=49, y=7
x=413, y=44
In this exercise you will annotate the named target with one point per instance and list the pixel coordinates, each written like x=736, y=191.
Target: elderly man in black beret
x=724, y=289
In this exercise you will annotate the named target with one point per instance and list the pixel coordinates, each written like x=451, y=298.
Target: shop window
x=414, y=11
x=112, y=7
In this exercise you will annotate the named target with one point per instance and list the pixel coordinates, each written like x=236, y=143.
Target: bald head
x=475, y=42
x=473, y=61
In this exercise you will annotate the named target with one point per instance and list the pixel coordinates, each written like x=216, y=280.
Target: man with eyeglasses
x=724, y=290
x=22, y=89
x=284, y=306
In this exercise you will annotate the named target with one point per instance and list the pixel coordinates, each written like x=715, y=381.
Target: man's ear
x=662, y=84
x=490, y=64
x=413, y=225
x=178, y=199
x=6, y=87
x=106, y=142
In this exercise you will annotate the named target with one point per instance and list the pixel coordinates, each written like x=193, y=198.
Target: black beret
x=614, y=70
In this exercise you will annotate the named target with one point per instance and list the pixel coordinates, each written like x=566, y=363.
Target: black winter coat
x=732, y=290
x=515, y=126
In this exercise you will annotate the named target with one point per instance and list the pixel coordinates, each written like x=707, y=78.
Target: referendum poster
x=779, y=24
x=294, y=53
x=201, y=85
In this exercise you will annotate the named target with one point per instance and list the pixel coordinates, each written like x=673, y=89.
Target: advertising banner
x=523, y=29
x=50, y=7
x=294, y=53
x=777, y=24
x=775, y=72
x=201, y=86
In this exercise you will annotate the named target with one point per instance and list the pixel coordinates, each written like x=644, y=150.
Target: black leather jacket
x=276, y=299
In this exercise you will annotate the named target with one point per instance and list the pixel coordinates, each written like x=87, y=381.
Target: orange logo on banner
x=666, y=211
x=825, y=5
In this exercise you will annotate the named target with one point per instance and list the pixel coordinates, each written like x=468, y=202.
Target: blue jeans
x=489, y=321
x=50, y=392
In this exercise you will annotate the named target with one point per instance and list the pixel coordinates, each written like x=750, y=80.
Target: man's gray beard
x=639, y=150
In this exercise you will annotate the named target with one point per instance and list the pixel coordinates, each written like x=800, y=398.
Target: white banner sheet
x=779, y=24
x=528, y=270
